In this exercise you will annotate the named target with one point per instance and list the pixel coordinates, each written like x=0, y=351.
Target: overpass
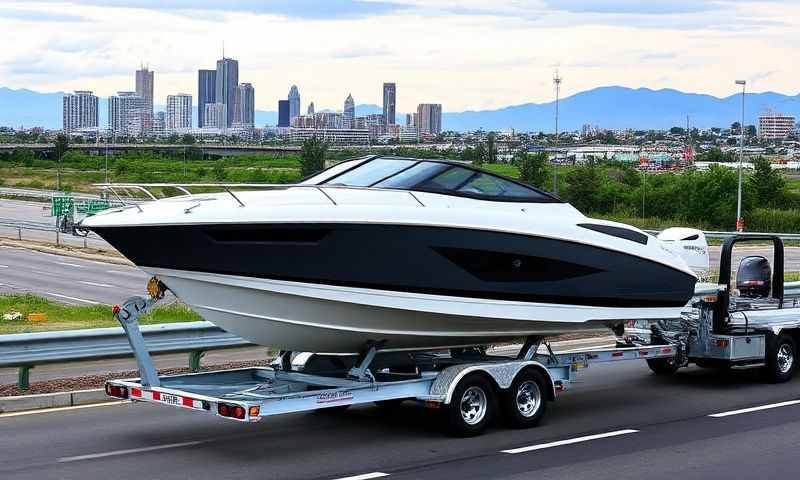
x=218, y=150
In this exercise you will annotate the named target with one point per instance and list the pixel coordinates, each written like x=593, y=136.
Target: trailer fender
x=502, y=374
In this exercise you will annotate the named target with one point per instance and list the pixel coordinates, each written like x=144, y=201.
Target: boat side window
x=491, y=186
x=371, y=172
x=412, y=176
x=449, y=180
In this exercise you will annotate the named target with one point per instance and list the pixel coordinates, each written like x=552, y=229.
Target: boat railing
x=150, y=189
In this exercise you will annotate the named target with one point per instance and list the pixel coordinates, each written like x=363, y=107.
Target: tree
x=491, y=149
x=583, y=186
x=750, y=131
x=766, y=184
x=60, y=148
x=312, y=156
x=480, y=155
x=219, y=170
x=677, y=131
x=736, y=127
x=532, y=168
x=188, y=139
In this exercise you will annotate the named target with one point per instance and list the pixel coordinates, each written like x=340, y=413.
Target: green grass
x=65, y=317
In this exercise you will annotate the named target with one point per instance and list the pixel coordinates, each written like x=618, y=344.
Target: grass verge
x=66, y=317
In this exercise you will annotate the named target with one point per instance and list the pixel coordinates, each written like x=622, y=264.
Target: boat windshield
x=437, y=177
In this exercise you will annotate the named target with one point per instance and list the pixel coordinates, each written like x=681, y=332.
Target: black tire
x=663, y=366
x=525, y=402
x=477, y=397
x=781, y=358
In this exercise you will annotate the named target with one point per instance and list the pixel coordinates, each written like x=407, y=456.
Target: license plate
x=170, y=399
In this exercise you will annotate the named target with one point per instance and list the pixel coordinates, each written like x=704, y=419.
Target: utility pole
x=739, y=219
x=557, y=83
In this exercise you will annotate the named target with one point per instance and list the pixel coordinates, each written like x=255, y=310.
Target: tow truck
x=474, y=386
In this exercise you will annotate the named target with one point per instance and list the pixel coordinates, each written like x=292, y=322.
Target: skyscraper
x=310, y=109
x=283, y=113
x=226, y=86
x=349, y=115
x=294, y=102
x=80, y=110
x=179, y=111
x=389, y=102
x=206, y=92
x=144, y=89
x=214, y=115
x=126, y=112
x=429, y=118
x=245, y=106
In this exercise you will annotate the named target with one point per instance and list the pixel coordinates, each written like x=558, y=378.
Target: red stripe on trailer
x=644, y=353
x=666, y=350
x=156, y=395
x=617, y=354
x=187, y=402
x=136, y=392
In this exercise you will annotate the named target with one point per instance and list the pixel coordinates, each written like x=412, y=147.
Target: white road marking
x=366, y=476
x=90, y=302
x=570, y=441
x=93, y=284
x=71, y=264
x=135, y=273
x=3, y=266
x=61, y=409
x=128, y=451
x=755, y=409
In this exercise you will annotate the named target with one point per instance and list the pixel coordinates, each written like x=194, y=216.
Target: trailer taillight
x=116, y=391
x=722, y=343
x=232, y=411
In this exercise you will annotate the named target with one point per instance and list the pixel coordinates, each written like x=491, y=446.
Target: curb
x=53, y=400
x=117, y=260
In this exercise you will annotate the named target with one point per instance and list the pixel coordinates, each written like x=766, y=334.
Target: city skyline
x=689, y=46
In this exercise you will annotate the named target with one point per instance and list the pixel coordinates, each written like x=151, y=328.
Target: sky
x=466, y=55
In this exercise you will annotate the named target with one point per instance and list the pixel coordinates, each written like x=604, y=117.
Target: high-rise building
x=144, y=89
x=206, y=92
x=179, y=111
x=429, y=118
x=215, y=115
x=349, y=115
x=226, y=87
x=283, y=113
x=126, y=112
x=775, y=126
x=245, y=106
x=331, y=120
x=389, y=102
x=80, y=110
x=294, y=102
x=409, y=120
x=310, y=109
x=159, y=123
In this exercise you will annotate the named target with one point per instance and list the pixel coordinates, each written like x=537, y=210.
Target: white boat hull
x=331, y=319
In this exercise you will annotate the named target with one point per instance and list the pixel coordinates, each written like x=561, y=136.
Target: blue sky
x=468, y=54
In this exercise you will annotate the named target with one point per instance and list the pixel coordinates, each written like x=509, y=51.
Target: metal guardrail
x=26, y=350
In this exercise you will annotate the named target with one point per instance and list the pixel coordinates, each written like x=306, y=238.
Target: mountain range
x=607, y=107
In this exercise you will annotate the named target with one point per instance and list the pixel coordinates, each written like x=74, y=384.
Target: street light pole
x=739, y=219
x=557, y=83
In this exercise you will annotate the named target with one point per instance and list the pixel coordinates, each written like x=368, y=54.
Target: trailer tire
x=781, y=358
x=525, y=401
x=663, y=366
x=472, y=406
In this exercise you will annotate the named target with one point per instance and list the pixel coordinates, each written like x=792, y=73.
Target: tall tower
x=311, y=110
x=144, y=89
x=294, y=103
x=226, y=86
x=206, y=92
x=349, y=116
x=80, y=110
x=179, y=112
x=389, y=103
x=283, y=113
x=557, y=84
x=245, y=109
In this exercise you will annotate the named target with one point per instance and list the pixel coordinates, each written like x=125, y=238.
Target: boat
x=397, y=252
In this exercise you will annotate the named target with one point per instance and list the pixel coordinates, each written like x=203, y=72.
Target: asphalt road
x=37, y=213
x=660, y=429
x=69, y=280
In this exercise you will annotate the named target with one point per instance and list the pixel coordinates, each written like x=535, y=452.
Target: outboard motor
x=690, y=245
x=754, y=277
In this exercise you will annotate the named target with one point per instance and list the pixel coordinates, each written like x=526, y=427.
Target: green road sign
x=90, y=207
x=61, y=206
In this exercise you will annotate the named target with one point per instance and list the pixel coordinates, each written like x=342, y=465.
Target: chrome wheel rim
x=529, y=398
x=785, y=358
x=473, y=405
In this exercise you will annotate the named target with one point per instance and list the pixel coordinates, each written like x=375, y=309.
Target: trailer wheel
x=525, y=402
x=781, y=358
x=663, y=366
x=472, y=407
